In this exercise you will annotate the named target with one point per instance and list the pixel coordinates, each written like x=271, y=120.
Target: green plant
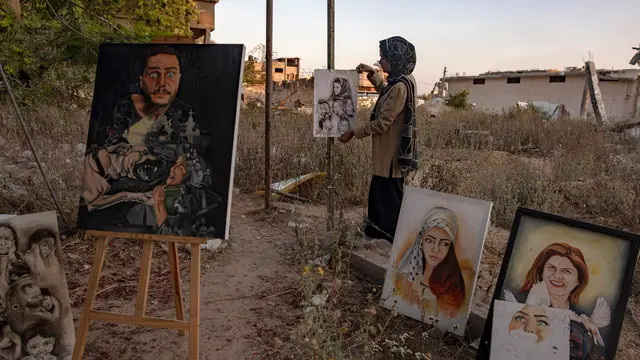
x=52, y=48
x=251, y=75
x=459, y=100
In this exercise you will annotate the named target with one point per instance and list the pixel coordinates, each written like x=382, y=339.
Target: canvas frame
x=428, y=196
x=98, y=93
x=616, y=318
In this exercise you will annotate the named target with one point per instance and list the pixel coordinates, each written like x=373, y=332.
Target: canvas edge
x=477, y=272
x=235, y=143
x=450, y=197
x=94, y=101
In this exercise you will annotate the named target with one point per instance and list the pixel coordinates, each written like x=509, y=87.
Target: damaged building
x=494, y=91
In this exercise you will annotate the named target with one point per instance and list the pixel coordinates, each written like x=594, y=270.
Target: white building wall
x=496, y=94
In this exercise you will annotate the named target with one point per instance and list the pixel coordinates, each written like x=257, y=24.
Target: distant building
x=286, y=69
x=494, y=91
x=365, y=86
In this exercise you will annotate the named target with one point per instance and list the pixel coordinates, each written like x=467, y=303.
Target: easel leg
x=176, y=284
x=92, y=289
x=194, y=303
x=143, y=282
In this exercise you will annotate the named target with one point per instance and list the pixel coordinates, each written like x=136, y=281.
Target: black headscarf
x=401, y=56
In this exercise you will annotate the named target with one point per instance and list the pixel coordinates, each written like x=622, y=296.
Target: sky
x=467, y=36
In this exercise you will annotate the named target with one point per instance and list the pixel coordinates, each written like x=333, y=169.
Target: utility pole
x=267, y=107
x=331, y=205
x=442, y=86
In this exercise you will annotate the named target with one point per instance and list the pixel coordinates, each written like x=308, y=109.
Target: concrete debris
x=298, y=225
x=320, y=300
x=550, y=111
x=634, y=132
x=432, y=108
x=80, y=149
x=322, y=261
x=214, y=245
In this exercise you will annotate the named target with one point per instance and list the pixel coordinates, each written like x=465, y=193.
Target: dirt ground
x=240, y=292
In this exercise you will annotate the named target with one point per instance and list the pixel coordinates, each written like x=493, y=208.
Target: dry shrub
x=295, y=152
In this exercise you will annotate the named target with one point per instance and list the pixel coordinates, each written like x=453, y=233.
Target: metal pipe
x=267, y=107
x=331, y=201
x=30, y=144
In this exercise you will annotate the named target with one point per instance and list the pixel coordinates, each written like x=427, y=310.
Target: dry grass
x=566, y=167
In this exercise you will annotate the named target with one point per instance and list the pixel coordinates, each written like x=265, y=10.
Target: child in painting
x=429, y=273
x=324, y=115
x=10, y=344
x=349, y=109
x=344, y=125
x=43, y=262
x=563, y=270
x=39, y=342
x=7, y=254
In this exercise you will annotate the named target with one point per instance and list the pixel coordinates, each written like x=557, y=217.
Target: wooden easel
x=192, y=325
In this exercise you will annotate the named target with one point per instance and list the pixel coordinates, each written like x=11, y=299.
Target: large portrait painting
x=35, y=310
x=435, y=257
x=336, y=102
x=162, y=135
x=583, y=269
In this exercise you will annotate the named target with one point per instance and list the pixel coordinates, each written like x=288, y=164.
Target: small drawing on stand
x=335, y=94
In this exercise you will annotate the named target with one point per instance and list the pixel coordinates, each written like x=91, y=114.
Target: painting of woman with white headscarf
x=431, y=265
x=436, y=253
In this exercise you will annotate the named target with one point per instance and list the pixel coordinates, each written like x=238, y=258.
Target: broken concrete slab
x=594, y=92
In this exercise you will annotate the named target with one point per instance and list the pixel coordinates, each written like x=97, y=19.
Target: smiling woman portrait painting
x=429, y=274
x=563, y=270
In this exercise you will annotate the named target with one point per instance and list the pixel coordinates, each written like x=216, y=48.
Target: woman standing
x=393, y=131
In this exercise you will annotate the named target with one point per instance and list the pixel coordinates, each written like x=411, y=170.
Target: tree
x=459, y=100
x=251, y=75
x=57, y=38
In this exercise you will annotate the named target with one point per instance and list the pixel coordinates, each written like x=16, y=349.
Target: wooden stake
x=194, y=303
x=176, y=283
x=92, y=289
x=143, y=283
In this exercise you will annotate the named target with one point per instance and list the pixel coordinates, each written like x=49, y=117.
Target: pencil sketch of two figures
x=336, y=102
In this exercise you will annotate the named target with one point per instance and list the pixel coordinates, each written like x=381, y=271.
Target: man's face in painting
x=161, y=79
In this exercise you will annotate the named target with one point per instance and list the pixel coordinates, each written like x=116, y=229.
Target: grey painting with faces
x=35, y=310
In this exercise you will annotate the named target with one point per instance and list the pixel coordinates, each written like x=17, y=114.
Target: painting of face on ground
x=162, y=137
x=529, y=332
x=335, y=97
x=435, y=257
x=574, y=266
x=35, y=310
